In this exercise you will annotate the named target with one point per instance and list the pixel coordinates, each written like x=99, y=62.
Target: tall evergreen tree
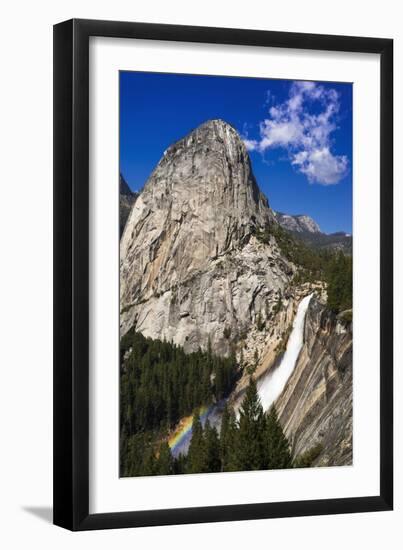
x=339, y=277
x=278, y=448
x=250, y=449
x=148, y=467
x=228, y=440
x=197, y=456
x=212, y=448
x=164, y=464
x=133, y=462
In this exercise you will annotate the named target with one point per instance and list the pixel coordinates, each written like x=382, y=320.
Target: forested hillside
x=253, y=441
x=333, y=267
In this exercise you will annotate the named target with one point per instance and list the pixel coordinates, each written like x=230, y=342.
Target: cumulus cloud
x=251, y=144
x=303, y=125
x=321, y=166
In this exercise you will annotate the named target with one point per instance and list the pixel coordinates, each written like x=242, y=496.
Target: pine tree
x=278, y=448
x=339, y=279
x=227, y=440
x=149, y=462
x=197, y=457
x=250, y=448
x=123, y=450
x=164, y=463
x=133, y=462
x=212, y=448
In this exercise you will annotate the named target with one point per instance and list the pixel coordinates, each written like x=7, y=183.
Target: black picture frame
x=71, y=274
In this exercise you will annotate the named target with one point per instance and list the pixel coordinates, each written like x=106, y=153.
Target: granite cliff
x=315, y=408
x=192, y=269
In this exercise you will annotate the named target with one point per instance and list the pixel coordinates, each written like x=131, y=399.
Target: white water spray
x=270, y=386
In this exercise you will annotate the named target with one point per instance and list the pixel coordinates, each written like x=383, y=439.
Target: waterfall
x=270, y=386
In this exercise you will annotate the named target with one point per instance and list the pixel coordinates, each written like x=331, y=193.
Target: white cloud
x=320, y=166
x=306, y=135
x=251, y=144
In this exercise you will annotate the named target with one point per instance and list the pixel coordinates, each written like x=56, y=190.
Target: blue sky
x=299, y=134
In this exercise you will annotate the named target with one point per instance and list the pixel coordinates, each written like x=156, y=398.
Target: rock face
x=191, y=267
x=299, y=223
x=266, y=342
x=126, y=200
x=315, y=407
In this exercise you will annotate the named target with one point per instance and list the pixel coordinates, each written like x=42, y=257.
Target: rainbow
x=180, y=438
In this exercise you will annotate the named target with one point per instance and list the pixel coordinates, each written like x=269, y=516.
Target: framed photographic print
x=223, y=236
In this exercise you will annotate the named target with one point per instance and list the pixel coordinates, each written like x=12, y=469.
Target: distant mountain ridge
x=298, y=223
x=309, y=232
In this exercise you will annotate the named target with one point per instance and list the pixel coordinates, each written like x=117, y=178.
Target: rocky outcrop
x=315, y=408
x=299, y=223
x=191, y=268
x=126, y=200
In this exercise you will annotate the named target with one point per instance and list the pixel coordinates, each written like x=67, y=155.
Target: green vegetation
x=255, y=441
x=307, y=459
x=339, y=277
x=197, y=454
x=228, y=440
x=204, y=450
x=277, y=446
x=250, y=435
x=335, y=241
x=294, y=250
x=159, y=385
x=333, y=267
x=347, y=316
